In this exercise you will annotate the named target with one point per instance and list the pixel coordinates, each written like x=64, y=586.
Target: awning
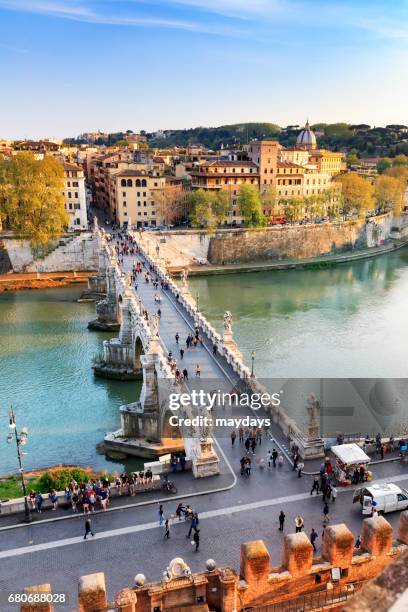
x=350, y=454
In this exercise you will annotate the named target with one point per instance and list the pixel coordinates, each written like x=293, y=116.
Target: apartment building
x=75, y=196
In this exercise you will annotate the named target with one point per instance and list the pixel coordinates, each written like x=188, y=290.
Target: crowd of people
x=95, y=494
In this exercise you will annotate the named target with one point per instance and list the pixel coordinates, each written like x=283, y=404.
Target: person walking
x=247, y=445
x=214, y=349
x=315, y=486
x=253, y=445
x=326, y=517
x=333, y=493
x=196, y=538
x=274, y=457
x=198, y=371
x=180, y=508
x=233, y=437
x=193, y=524
x=166, y=529
x=181, y=353
x=88, y=528
x=161, y=515
x=313, y=538
x=299, y=523
x=248, y=465
x=301, y=465
x=282, y=517
x=241, y=434
x=185, y=374
x=38, y=502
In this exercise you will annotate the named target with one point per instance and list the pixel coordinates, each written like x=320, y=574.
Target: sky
x=69, y=66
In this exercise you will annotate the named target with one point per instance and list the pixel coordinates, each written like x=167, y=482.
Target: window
x=75, y=184
x=124, y=194
x=242, y=169
x=70, y=206
x=144, y=183
x=125, y=214
x=69, y=194
x=139, y=214
x=145, y=214
x=129, y=183
x=69, y=183
x=123, y=183
x=137, y=183
x=77, y=206
x=144, y=203
x=76, y=195
x=144, y=194
x=139, y=203
x=124, y=204
x=155, y=184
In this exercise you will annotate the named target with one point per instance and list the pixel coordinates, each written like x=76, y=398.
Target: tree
x=270, y=202
x=383, y=164
x=220, y=205
x=294, y=208
x=201, y=214
x=399, y=172
x=31, y=198
x=356, y=193
x=389, y=194
x=250, y=205
x=400, y=160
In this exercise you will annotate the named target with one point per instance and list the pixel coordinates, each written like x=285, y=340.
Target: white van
x=384, y=497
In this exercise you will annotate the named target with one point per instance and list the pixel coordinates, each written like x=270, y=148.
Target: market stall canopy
x=350, y=454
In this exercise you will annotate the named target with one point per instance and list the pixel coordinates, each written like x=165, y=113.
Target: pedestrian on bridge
x=185, y=374
x=233, y=437
x=177, y=338
x=215, y=348
x=198, y=371
x=315, y=486
x=282, y=517
x=274, y=457
x=181, y=353
x=299, y=523
x=88, y=528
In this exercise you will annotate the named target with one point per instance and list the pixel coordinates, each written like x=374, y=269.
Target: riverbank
x=324, y=261
x=46, y=280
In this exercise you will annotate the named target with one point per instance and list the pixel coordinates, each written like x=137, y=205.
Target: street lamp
x=252, y=361
x=197, y=302
x=21, y=440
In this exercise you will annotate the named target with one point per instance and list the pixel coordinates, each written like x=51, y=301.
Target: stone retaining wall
x=297, y=241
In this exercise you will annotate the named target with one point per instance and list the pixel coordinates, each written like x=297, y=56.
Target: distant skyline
x=69, y=66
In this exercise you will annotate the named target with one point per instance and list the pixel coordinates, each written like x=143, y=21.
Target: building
x=226, y=175
x=297, y=172
x=144, y=197
x=75, y=196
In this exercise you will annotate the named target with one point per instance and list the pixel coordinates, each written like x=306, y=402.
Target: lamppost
x=21, y=440
x=197, y=302
x=252, y=361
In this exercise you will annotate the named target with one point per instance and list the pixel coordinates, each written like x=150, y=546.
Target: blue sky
x=68, y=66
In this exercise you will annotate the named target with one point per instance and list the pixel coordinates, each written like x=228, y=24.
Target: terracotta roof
x=71, y=167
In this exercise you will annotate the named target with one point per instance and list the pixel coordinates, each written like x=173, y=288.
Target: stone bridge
x=140, y=352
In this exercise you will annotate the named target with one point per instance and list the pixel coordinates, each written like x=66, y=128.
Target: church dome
x=306, y=138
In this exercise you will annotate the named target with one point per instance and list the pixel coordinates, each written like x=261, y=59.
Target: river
x=346, y=321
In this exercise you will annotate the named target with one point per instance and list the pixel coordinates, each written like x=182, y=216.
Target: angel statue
x=155, y=321
x=227, y=322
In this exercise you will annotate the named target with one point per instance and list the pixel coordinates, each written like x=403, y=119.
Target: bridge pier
x=97, y=285
x=107, y=310
x=143, y=427
x=121, y=356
